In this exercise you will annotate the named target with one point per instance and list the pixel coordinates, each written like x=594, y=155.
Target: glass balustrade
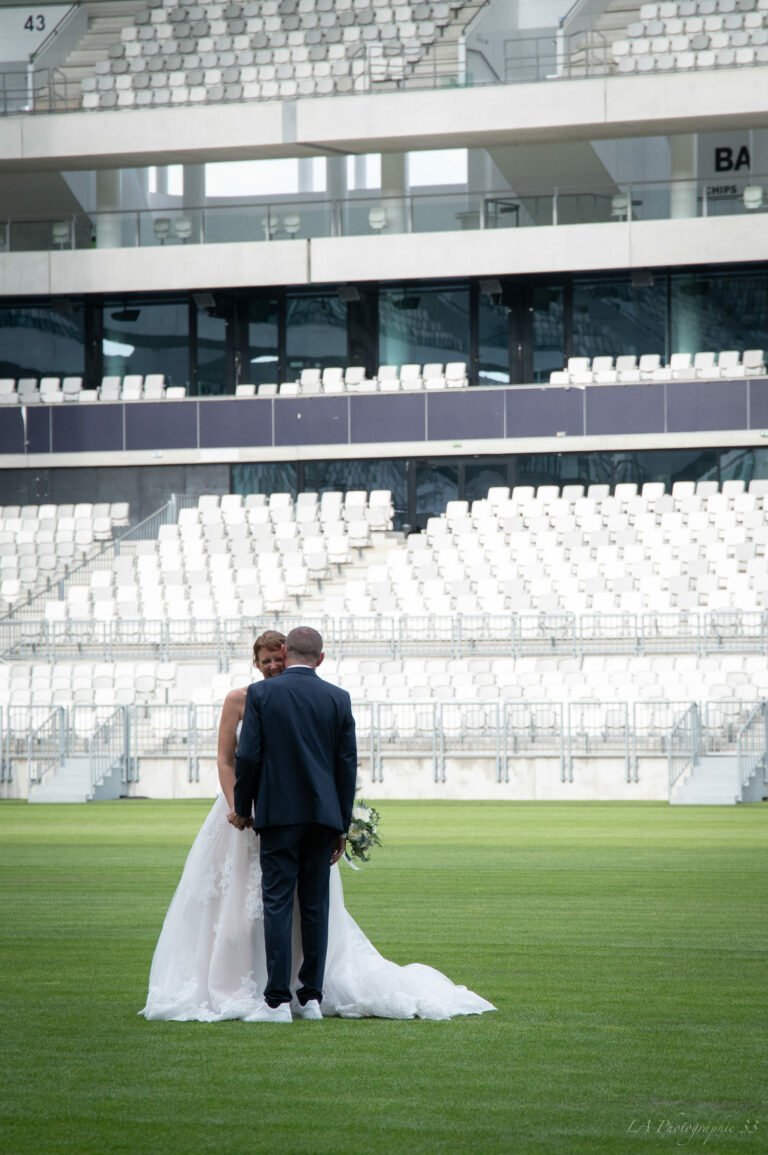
x=298, y=219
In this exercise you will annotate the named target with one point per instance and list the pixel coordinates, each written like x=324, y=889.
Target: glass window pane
x=316, y=332
x=262, y=342
x=41, y=342
x=147, y=337
x=667, y=465
x=493, y=339
x=368, y=474
x=419, y=325
x=548, y=339
x=211, y=354
x=564, y=469
x=479, y=478
x=611, y=318
x=435, y=486
x=715, y=311
x=265, y=477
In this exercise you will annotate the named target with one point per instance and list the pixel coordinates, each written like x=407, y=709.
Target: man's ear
x=283, y=651
x=320, y=660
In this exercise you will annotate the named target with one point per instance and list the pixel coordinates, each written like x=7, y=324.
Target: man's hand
x=338, y=849
x=238, y=821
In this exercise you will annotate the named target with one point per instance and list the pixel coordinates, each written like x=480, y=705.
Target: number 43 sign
x=24, y=29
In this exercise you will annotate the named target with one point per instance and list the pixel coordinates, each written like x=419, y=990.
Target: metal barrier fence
x=684, y=745
x=497, y=731
x=453, y=636
x=752, y=744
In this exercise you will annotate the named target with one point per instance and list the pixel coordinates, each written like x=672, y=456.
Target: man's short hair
x=269, y=640
x=304, y=642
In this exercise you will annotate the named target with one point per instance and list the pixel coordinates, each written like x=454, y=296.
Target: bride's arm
x=231, y=714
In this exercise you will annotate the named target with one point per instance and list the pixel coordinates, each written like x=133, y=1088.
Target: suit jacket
x=297, y=756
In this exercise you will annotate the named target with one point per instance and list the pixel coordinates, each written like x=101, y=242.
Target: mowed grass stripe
x=624, y=945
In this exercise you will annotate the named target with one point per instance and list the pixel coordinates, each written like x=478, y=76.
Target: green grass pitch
x=623, y=944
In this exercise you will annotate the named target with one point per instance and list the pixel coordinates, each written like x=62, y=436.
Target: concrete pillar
x=193, y=199
x=108, y=227
x=683, y=154
x=394, y=186
x=336, y=181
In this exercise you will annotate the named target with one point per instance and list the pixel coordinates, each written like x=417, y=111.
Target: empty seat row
x=629, y=369
x=54, y=390
x=194, y=50
x=388, y=379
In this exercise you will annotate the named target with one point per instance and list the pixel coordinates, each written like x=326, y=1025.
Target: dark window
x=147, y=337
x=493, y=342
x=716, y=311
x=262, y=342
x=548, y=338
x=316, y=332
x=419, y=326
x=611, y=318
x=265, y=477
x=42, y=341
x=435, y=485
x=211, y=353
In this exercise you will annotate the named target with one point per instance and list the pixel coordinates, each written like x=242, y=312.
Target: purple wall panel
x=87, y=428
x=544, y=412
x=11, y=429
x=392, y=418
x=161, y=425
x=625, y=409
x=694, y=405
x=758, y=403
x=39, y=429
x=246, y=421
x=456, y=416
x=311, y=420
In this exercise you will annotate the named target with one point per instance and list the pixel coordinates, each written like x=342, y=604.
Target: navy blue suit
x=296, y=768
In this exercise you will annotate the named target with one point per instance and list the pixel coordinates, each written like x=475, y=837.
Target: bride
x=209, y=963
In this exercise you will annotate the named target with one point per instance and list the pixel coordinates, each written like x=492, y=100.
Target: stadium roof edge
x=600, y=108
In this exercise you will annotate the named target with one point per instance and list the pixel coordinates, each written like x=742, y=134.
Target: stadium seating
x=179, y=53
x=628, y=369
x=312, y=382
x=694, y=34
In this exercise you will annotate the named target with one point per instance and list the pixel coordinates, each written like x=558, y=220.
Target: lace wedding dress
x=209, y=961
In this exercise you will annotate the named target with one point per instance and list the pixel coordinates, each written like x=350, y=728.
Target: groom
x=296, y=769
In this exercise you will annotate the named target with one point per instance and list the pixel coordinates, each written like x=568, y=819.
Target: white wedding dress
x=209, y=962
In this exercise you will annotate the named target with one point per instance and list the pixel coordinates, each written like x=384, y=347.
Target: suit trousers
x=295, y=859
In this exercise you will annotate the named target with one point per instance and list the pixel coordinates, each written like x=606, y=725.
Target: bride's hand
x=339, y=849
x=241, y=823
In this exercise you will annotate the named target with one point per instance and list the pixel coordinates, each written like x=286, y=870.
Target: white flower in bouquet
x=362, y=835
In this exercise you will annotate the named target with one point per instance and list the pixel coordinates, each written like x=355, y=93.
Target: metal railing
x=684, y=744
x=47, y=745
x=752, y=745
x=109, y=747
x=304, y=218
x=29, y=636
x=498, y=731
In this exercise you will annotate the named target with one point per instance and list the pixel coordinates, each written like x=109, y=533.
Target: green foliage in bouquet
x=363, y=833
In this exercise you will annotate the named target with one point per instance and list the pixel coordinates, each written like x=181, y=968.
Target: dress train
x=209, y=962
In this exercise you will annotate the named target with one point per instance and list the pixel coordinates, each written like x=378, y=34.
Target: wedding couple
x=257, y=929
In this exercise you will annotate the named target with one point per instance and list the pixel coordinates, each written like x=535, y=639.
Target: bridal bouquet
x=362, y=835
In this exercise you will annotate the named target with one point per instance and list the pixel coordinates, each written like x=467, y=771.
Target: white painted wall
x=637, y=244
x=707, y=101
x=530, y=779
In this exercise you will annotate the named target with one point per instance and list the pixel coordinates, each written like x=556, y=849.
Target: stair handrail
x=683, y=744
x=109, y=747
x=47, y=745
x=752, y=744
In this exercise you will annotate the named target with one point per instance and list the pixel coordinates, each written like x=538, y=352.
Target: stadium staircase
x=442, y=61
x=71, y=782
x=106, y=20
x=713, y=781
